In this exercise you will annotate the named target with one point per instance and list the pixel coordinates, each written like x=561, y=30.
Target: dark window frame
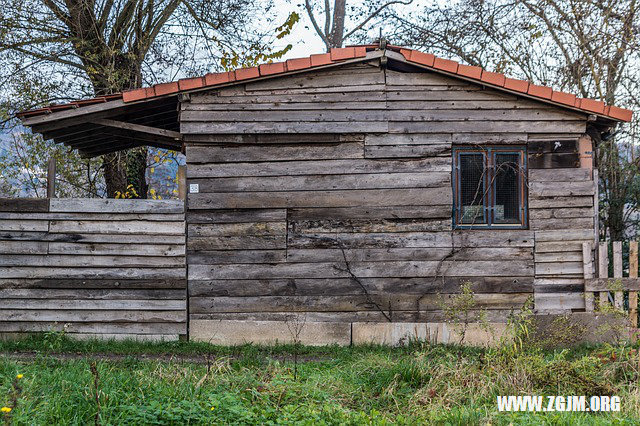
x=489, y=197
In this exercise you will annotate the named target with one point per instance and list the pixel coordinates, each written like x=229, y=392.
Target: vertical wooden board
x=603, y=270
x=617, y=271
x=596, y=206
x=182, y=182
x=633, y=273
x=633, y=259
x=588, y=274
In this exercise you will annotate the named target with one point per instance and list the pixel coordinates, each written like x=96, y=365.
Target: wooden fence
x=113, y=268
x=602, y=290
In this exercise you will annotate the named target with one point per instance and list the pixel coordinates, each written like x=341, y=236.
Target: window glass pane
x=472, y=173
x=507, y=188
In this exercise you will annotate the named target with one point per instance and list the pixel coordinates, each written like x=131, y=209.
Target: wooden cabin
x=355, y=191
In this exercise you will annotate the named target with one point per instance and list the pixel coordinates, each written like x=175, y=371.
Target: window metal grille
x=472, y=174
x=490, y=187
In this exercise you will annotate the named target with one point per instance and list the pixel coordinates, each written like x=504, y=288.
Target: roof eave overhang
x=107, y=109
x=395, y=56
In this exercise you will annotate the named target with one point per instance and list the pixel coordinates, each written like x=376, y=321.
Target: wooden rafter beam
x=138, y=128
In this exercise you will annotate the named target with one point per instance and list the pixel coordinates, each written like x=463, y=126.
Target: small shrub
x=461, y=310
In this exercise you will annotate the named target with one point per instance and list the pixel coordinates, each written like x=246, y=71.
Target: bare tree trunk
x=115, y=173
x=137, y=170
x=333, y=33
x=337, y=30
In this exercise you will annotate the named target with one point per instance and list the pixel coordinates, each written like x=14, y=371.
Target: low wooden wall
x=93, y=267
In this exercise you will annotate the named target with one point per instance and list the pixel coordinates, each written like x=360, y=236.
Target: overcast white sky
x=304, y=39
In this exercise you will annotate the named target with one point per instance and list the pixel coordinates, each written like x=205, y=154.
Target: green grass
x=415, y=384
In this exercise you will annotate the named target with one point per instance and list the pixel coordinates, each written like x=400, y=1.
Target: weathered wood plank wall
x=561, y=207
x=110, y=268
x=330, y=193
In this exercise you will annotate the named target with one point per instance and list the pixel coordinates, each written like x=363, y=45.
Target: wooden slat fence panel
x=104, y=268
x=618, y=286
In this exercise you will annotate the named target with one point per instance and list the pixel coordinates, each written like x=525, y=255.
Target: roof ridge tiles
x=338, y=55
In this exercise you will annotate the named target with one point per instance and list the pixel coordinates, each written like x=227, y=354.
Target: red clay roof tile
x=540, y=91
x=166, y=88
x=54, y=107
x=445, y=65
x=563, y=98
x=321, y=59
x=422, y=58
x=619, y=113
x=191, y=83
x=590, y=105
x=247, y=73
x=150, y=92
x=476, y=73
x=494, y=78
x=84, y=102
x=274, y=68
x=298, y=64
x=34, y=112
x=469, y=71
x=516, y=85
x=342, y=53
x=213, y=79
x=406, y=53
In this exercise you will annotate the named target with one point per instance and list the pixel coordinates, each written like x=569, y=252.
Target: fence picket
x=617, y=272
x=633, y=273
x=603, y=270
x=588, y=274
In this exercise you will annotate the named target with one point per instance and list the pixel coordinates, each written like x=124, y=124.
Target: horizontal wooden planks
x=280, y=152
x=318, y=167
x=91, y=263
x=346, y=303
x=337, y=198
x=361, y=269
x=94, y=205
x=324, y=182
x=340, y=286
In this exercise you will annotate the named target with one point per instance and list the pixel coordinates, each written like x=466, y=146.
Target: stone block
x=232, y=332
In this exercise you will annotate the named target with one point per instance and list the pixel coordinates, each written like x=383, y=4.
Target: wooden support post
x=588, y=274
x=182, y=182
x=603, y=271
x=596, y=205
x=633, y=273
x=617, y=272
x=51, y=178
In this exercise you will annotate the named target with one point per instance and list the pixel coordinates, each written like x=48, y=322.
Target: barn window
x=489, y=187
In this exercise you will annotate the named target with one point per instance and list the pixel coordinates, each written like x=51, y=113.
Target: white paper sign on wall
x=194, y=188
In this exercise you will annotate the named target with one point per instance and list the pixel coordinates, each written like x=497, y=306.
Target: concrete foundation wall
x=229, y=332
